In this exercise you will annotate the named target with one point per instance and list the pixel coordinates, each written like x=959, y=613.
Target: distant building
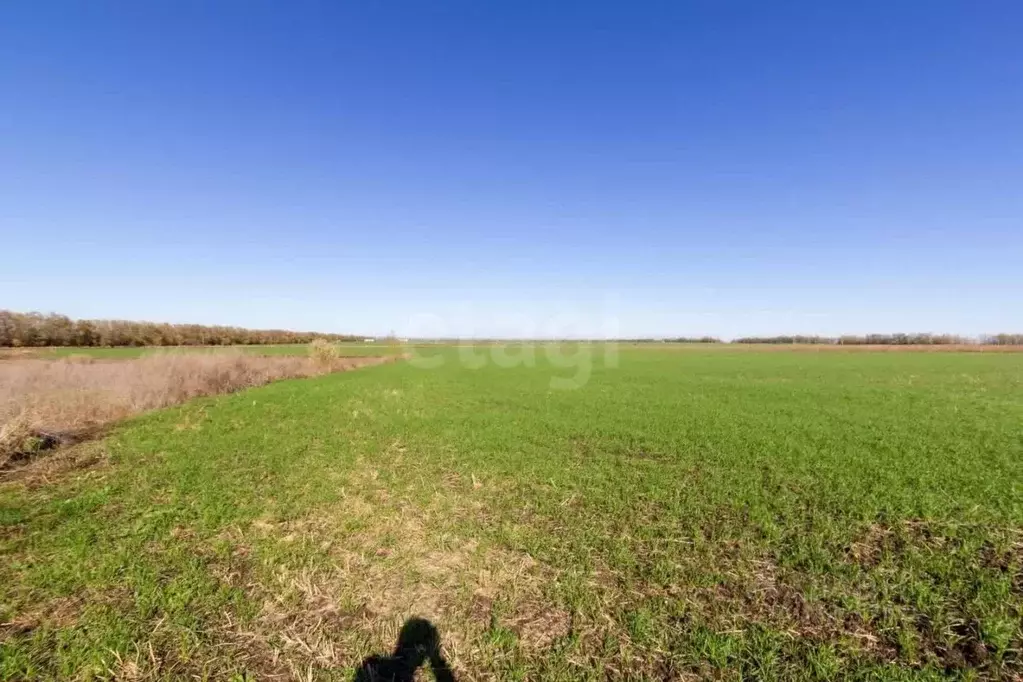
x=369, y=340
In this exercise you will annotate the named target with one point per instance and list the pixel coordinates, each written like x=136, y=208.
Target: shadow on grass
x=418, y=642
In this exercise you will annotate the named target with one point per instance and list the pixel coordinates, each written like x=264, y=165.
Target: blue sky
x=516, y=168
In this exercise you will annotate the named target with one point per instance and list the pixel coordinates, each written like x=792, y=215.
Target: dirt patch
x=880, y=542
x=954, y=641
x=384, y=565
x=57, y=613
x=22, y=443
x=89, y=457
x=758, y=592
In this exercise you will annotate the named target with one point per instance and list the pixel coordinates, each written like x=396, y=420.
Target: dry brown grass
x=389, y=561
x=47, y=402
x=16, y=353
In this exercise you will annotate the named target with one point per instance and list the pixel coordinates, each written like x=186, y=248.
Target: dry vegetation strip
x=46, y=402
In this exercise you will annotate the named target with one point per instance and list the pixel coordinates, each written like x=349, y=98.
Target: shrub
x=15, y=436
x=324, y=352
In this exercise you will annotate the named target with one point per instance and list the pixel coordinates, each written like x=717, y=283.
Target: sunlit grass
x=711, y=513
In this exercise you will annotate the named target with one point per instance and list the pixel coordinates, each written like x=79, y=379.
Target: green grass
x=713, y=513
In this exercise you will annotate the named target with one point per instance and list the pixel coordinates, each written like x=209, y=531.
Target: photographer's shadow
x=418, y=643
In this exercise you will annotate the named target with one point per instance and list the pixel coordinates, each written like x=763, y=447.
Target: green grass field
x=707, y=513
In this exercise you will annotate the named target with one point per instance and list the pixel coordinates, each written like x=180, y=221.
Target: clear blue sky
x=681, y=167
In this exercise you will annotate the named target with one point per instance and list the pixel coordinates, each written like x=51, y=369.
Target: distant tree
x=786, y=339
x=8, y=328
x=1004, y=340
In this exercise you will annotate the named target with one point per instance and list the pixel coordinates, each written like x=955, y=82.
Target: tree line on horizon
x=37, y=330
x=890, y=340
x=678, y=339
x=924, y=339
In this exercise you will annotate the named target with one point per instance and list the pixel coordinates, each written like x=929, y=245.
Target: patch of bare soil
x=34, y=472
x=764, y=594
x=886, y=548
x=388, y=564
x=56, y=613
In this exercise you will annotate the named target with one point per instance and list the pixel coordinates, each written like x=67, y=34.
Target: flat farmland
x=125, y=352
x=721, y=513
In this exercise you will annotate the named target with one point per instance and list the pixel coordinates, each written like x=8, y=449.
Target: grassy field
x=711, y=513
x=121, y=353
